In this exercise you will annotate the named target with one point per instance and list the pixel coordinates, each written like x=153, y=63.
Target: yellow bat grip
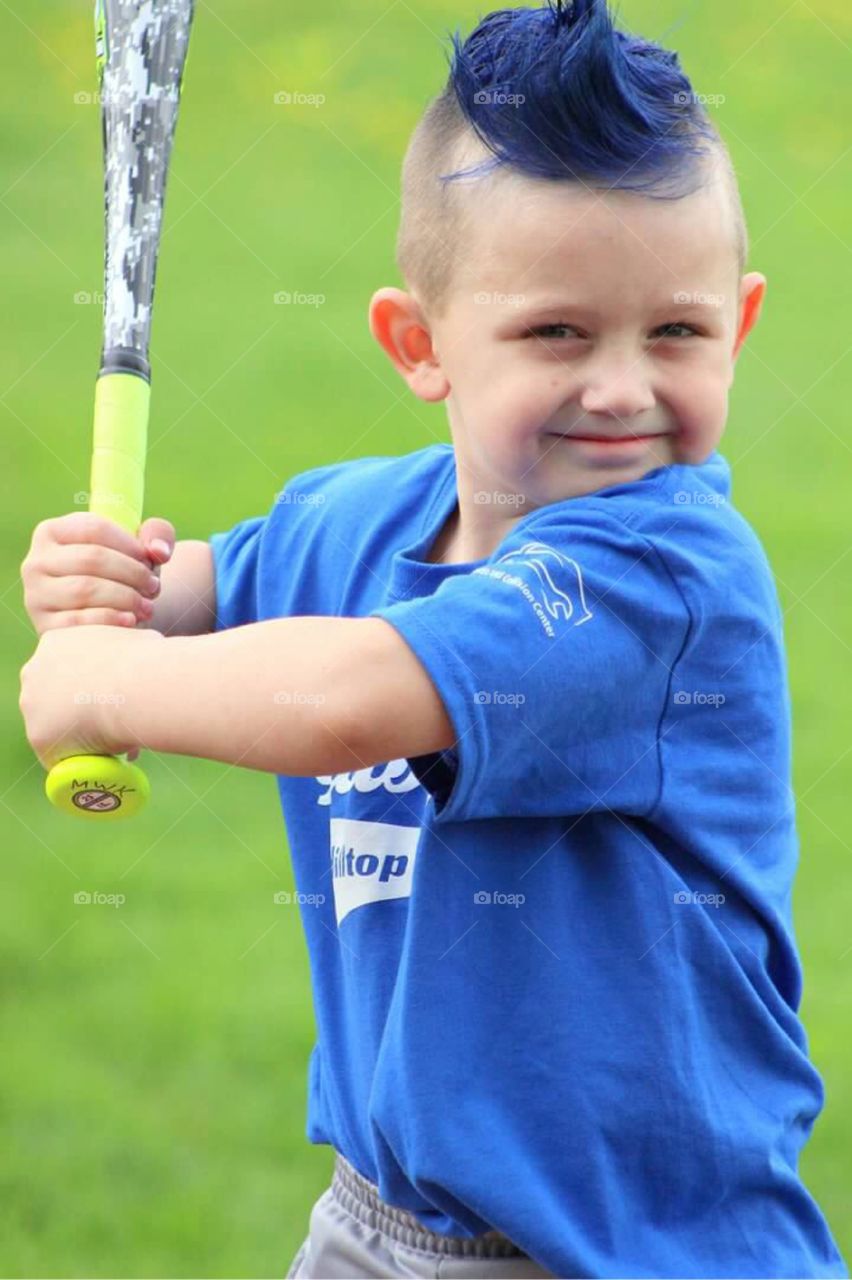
x=105, y=787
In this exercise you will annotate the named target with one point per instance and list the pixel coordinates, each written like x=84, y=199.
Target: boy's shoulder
x=685, y=512
x=679, y=520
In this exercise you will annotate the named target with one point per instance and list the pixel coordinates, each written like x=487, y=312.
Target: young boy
x=526, y=699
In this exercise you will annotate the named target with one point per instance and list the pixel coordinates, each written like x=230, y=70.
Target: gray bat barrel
x=141, y=54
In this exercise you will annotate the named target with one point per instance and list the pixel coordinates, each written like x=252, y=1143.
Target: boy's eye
x=546, y=330
x=676, y=329
x=665, y=330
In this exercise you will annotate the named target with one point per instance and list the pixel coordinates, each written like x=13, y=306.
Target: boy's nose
x=620, y=390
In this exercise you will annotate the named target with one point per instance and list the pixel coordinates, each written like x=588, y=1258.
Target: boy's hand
x=83, y=568
x=72, y=690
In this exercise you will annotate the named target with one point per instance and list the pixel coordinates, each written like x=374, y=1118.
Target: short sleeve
x=554, y=662
x=235, y=562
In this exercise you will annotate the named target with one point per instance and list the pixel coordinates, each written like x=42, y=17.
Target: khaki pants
x=354, y=1233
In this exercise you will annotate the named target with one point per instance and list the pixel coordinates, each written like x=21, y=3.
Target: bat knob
x=102, y=787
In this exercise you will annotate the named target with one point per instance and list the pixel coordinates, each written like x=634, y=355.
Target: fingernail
x=153, y=585
x=163, y=547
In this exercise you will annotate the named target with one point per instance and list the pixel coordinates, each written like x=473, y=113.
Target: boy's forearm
x=275, y=696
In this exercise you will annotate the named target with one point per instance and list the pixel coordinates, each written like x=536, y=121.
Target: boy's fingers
x=157, y=537
x=84, y=526
x=99, y=562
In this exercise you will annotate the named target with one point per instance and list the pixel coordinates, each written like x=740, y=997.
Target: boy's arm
x=298, y=696
x=186, y=605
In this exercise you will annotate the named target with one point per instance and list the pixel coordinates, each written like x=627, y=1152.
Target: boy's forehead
x=530, y=236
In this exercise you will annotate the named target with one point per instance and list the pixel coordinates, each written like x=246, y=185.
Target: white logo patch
x=370, y=862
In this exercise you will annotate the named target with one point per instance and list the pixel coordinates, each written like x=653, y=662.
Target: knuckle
x=91, y=560
x=83, y=526
x=91, y=525
x=31, y=566
x=44, y=529
x=81, y=592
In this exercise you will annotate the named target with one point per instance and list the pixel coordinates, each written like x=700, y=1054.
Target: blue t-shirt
x=554, y=971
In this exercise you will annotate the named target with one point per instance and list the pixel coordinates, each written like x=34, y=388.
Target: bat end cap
x=97, y=787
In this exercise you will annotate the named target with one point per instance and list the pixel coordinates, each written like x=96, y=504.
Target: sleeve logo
x=552, y=604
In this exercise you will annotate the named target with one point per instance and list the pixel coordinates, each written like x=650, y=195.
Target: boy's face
x=588, y=337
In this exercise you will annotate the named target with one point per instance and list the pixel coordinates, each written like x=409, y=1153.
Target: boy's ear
x=752, y=293
x=399, y=325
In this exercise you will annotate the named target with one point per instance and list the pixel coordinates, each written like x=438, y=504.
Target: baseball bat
x=141, y=53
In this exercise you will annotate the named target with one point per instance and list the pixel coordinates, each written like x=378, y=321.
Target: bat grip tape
x=117, y=486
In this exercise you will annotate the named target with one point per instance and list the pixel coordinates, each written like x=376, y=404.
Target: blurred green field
x=152, y=1080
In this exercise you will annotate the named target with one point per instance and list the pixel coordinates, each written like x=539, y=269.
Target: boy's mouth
x=609, y=442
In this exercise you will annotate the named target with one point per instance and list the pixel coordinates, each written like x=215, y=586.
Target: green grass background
x=152, y=1079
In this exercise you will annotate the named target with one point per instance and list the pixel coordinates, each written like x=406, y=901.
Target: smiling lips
x=609, y=441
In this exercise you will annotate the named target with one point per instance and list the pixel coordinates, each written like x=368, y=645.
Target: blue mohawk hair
x=558, y=92
x=553, y=92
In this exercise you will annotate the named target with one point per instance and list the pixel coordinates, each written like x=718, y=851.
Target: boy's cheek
x=695, y=442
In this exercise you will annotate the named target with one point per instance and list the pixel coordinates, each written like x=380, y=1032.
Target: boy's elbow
x=386, y=706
